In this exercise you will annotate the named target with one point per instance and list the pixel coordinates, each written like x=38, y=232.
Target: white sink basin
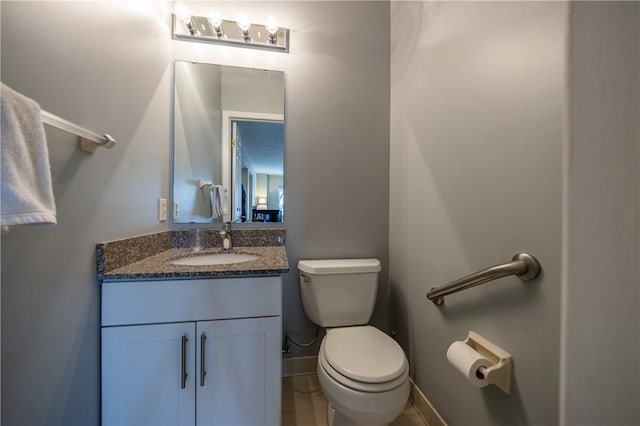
x=215, y=259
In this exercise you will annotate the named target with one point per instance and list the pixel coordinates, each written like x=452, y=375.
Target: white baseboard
x=299, y=365
x=424, y=407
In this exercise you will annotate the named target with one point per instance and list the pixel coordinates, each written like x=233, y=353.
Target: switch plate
x=162, y=209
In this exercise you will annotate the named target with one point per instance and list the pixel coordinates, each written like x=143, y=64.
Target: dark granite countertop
x=150, y=256
x=271, y=261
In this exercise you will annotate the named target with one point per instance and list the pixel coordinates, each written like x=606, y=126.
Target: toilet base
x=348, y=407
x=336, y=418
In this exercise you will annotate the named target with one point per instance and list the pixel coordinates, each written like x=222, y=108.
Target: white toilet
x=363, y=372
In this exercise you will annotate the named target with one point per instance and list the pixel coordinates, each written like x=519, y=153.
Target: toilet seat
x=363, y=358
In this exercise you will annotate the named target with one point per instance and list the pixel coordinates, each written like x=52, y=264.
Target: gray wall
x=477, y=133
x=108, y=66
x=515, y=126
x=601, y=312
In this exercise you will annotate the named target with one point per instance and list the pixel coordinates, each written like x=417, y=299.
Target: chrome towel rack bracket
x=523, y=265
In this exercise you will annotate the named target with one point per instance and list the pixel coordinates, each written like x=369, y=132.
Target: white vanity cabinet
x=142, y=375
x=187, y=352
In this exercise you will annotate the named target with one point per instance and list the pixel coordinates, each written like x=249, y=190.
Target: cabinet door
x=242, y=362
x=148, y=375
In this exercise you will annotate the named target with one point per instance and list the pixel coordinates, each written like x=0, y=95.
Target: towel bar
x=89, y=141
x=523, y=265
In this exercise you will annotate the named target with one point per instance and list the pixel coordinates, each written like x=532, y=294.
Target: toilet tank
x=339, y=292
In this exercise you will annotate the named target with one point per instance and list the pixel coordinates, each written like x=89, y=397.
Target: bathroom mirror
x=228, y=144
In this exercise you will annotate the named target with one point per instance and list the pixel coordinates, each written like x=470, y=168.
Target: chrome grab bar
x=523, y=265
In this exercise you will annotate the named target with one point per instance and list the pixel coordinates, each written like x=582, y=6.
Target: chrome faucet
x=225, y=232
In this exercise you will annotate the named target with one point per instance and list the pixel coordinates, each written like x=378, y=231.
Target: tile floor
x=303, y=404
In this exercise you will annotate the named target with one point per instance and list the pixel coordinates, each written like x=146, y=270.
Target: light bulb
x=245, y=26
x=243, y=23
x=272, y=26
x=272, y=29
x=214, y=17
x=182, y=13
x=216, y=22
x=181, y=10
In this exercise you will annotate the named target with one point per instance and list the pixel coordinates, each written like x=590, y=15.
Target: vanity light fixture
x=239, y=33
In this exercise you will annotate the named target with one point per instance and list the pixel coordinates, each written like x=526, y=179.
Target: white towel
x=27, y=194
x=207, y=201
x=217, y=192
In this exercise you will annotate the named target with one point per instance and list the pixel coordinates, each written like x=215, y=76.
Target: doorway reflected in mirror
x=258, y=175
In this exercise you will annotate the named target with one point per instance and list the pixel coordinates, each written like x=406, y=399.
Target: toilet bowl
x=364, y=386
x=363, y=373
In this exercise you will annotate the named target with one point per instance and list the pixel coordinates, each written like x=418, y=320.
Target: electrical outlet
x=175, y=210
x=162, y=209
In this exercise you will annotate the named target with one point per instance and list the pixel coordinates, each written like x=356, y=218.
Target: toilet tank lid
x=339, y=266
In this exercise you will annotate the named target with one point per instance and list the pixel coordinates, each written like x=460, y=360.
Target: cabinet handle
x=203, y=373
x=184, y=361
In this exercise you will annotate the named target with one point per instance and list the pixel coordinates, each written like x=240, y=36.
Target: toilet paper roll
x=469, y=362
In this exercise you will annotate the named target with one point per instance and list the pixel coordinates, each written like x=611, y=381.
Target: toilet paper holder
x=499, y=373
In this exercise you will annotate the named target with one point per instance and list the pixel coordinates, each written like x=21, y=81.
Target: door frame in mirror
x=229, y=173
